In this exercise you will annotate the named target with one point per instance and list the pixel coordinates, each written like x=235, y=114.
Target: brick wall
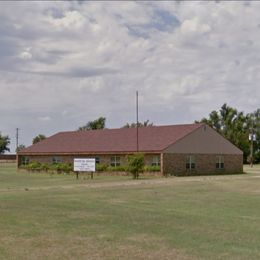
x=104, y=159
x=175, y=164
x=171, y=164
x=8, y=157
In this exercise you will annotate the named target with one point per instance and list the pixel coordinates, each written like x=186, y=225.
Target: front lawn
x=59, y=217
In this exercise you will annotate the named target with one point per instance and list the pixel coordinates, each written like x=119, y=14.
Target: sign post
x=252, y=138
x=84, y=165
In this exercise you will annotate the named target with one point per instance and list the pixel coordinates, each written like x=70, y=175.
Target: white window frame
x=156, y=161
x=115, y=161
x=56, y=159
x=190, y=162
x=25, y=160
x=220, y=164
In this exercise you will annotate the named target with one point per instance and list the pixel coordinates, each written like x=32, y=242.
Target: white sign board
x=252, y=136
x=84, y=164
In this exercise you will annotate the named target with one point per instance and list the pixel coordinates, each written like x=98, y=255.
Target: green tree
x=140, y=124
x=99, y=123
x=4, y=142
x=235, y=126
x=253, y=126
x=38, y=138
x=136, y=164
x=20, y=147
x=213, y=121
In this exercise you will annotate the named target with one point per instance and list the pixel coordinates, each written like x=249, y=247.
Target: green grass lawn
x=59, y=217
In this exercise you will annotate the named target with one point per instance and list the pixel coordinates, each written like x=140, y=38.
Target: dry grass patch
x=51, y=246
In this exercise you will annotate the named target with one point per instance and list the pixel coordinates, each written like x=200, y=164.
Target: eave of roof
x=89, y=153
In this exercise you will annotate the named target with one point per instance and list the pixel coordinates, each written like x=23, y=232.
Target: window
x=115, y=161
x=56, y=159
x=190, y=162
x=220, y=162
x=97, y=160
x=156, y=160
x=25, y=160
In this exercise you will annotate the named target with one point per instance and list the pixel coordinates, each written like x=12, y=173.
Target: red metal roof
x=123, y=140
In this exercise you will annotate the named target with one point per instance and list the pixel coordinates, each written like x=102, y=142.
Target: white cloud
x=25, y=55
x=87, y=59
x=70, y=20
x=44, y=118
x=194, y=26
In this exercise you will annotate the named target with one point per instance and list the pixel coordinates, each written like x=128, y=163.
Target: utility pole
x=252, y=139
x=17, y=138
x=137, y=124
x=251, y=151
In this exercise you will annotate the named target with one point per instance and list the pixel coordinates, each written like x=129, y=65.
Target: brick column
x=161, y=163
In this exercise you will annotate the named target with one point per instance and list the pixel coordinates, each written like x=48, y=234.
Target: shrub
x=257, y=157
x=34, y=166
x=101, y=167
x=53, y=166
x=61, y=167
x=58, y=167
x=45, y=167
x=152, y=168
x=121, y=168
x=66, y=167
x=136, y=164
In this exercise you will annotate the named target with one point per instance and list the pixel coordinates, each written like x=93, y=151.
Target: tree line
x=100, y=123
x=234, y=125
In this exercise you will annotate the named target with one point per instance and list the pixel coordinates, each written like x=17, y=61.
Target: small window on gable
x=25, y=160
x=115, y=161
x=56, y=159
x=190, y=162
x=156, y=160
x=220, y=162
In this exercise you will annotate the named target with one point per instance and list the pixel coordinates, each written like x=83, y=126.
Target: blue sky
x=63, y=64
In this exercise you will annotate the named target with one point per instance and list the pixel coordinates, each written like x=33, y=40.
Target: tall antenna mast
x=17, y=138
x=137, y=123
